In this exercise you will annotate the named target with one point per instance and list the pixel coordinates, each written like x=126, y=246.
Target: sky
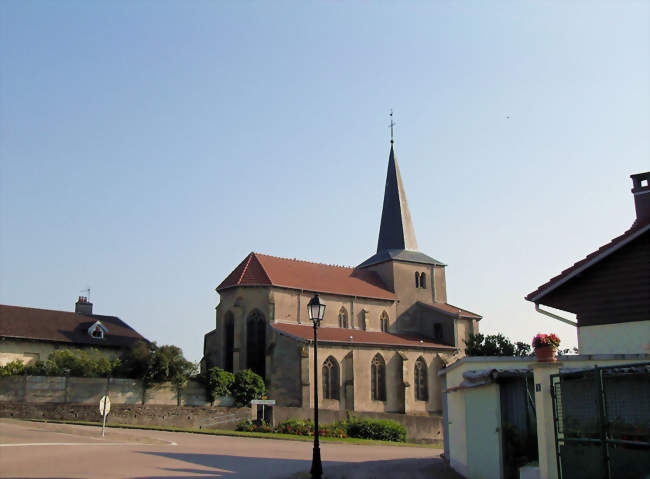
x=147, y=147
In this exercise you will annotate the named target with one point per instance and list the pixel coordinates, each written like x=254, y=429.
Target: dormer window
x=97, y=330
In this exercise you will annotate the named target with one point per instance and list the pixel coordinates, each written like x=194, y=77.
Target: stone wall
x=44, y=389
x=419, y=428
x=135, y=414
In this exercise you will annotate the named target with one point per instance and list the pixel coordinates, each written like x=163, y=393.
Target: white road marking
x=171, y=443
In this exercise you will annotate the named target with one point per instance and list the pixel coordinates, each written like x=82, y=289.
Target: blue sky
x=147, y=147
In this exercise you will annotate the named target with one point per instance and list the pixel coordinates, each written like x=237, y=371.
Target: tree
x=494, y=345
x=153, y=364
x=247, y=385
x=137, y=361
x=218, y=382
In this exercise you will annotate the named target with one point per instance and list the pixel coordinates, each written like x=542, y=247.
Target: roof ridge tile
x=305, y=261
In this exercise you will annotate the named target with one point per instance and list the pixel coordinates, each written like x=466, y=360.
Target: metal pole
x=316, y=465
x=104, y=414
x=108, y=382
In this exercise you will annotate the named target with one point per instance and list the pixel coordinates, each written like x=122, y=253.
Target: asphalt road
x=44, y=450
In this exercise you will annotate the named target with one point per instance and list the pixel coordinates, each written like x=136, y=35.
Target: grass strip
x=259, y=435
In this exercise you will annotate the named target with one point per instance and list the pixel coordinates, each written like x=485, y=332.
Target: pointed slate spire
x=396, y=233
x=396, y=230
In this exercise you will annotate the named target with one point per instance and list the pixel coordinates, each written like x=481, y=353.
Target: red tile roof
x=342, y=336
x=636, y=230
x=451, y=309
x=263, y=270
x=63, y=327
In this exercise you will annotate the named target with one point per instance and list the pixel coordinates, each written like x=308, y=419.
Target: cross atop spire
x=392, y=124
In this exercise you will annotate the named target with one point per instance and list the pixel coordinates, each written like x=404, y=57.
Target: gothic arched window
x=330, y=379
x=343, y=318
x=229, y=334
x=256, y=343
x=378, y=378
x=417, y=279
x=421, y=389
x=423, y=280
x=383, y=322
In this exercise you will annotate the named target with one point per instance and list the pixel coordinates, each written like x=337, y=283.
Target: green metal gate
x=602, y=422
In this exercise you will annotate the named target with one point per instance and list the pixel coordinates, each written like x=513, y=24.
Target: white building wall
x=483, y=408
x=457, y=431
x=620, y=338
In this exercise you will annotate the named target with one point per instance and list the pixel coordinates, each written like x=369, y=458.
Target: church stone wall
x=400, y=379
x=283, y=375
x=241, y=302
x=291, y=307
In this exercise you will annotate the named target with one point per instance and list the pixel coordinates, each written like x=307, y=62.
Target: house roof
x=359, y=337
x=263, y=270
x=450, y=310
x=18, y=322
x=601, y=253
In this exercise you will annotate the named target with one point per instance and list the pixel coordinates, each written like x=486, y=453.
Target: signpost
x=104, y=409
x=263, y=402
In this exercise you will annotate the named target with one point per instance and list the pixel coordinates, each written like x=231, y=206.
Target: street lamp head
x=316, y=309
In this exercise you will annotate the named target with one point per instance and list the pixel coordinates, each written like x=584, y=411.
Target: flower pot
x=545, y=354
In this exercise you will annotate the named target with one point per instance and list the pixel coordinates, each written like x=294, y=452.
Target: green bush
x=253, y=426
x=299, y=427
x=381, y=429
x=218, y=382
x=247, y=386
x=12, y=368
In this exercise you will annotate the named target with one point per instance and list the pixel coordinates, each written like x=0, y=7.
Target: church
x=387, y=331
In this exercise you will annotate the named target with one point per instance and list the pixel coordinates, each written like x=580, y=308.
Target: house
x=589, y=411
x=31, y=334
x=609, y=290
x=388, y=327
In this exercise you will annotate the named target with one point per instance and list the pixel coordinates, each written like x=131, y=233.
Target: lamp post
x=316, y=312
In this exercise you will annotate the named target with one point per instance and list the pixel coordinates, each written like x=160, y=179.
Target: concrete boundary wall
x=73, y=390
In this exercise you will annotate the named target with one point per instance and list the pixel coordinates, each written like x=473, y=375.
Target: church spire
x=396, y=230
x=396, y=233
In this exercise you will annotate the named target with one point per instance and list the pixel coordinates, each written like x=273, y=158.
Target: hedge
x=363, y=428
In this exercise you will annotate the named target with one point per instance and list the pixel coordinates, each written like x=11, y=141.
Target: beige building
x=387, y=331
x=31, y=334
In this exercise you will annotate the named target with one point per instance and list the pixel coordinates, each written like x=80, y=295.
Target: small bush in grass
x=381, y=429
x=299, y=427
x=253, y=426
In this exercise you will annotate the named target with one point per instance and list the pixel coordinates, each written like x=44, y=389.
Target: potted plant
x=545, y=346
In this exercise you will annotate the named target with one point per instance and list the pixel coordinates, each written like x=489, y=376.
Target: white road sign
x=104, y=401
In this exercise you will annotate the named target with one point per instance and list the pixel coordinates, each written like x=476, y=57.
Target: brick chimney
x=83, y=306
x=641, y=192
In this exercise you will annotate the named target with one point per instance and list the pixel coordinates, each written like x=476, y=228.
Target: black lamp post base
x=316, y=466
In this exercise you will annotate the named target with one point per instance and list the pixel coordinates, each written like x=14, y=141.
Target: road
x=45, y=450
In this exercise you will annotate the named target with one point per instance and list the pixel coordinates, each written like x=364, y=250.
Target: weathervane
x=392, y=124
